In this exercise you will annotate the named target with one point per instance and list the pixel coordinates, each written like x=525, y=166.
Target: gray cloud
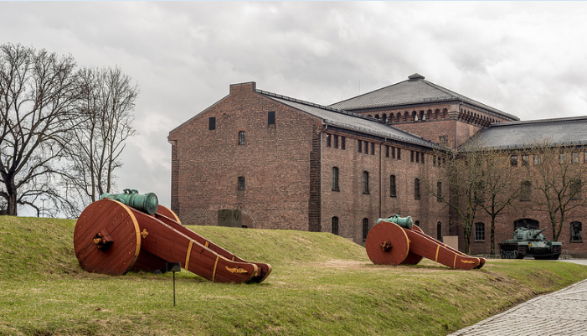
x=525, y=58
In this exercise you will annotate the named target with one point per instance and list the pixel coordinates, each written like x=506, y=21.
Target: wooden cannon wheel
x=107, y=238
x=387, y=244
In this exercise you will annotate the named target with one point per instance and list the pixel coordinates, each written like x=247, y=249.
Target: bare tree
x=557, y=177
x=461, y=171
x=106, y=104
x=38, y=91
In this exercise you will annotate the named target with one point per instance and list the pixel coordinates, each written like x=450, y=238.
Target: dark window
x=241, y=183
x=386, y=151
x=360, y=148
x=576, y=232
x=412, y=156
x=434, y=160
x=212, y=123
x=392, y=189
x=335, y=225
x=514, y=160
x=365, y=228
x=365, y=182
x=241, y=137
x=366, y=147
x=526, y=223
x=575, y=189
x=328, y=140
x=417, y=223
x=393, y=152
x=439, y=231
x=336, y=141
x=399, y=153
x=417, y=189
x=271, y=118
x=439, y=191
x=526, y=191
x=479, y=231
x=525, y=160
x=417, y=157
x=342, y=143
x=335, y=178
x=422, y=158
x=372, y=149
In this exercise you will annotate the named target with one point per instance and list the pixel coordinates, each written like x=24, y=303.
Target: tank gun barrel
x=536, y=233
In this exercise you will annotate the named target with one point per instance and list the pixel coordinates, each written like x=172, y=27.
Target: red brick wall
x=275, y=162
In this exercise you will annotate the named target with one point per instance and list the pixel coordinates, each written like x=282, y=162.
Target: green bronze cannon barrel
x=147, y=203
x=405, y=222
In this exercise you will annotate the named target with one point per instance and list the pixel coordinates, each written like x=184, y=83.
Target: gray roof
x=350, y=121
x=525, y=134
x=415, y=90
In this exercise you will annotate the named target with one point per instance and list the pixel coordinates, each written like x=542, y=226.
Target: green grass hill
x=321, y=284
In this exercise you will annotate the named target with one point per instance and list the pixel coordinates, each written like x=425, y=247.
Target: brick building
x=290, y=164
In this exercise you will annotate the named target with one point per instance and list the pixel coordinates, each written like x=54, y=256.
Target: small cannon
x=396, y=241
x=121, y=232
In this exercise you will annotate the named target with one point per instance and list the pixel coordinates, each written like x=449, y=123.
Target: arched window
x=335, y=179
x=241, y=183
x=417, y=189
x=392, y=189
x=526, y=223
x=365, y=182
x=241, y=137
x=335, y=225
x=479, y=231
x=439, y=231
x=576, y=232
x=365, y=228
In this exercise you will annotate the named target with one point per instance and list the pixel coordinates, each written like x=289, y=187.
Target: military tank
x=529, y=242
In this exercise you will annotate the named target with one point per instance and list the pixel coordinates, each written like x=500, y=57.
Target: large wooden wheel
x=387, y=244
x=107, y=238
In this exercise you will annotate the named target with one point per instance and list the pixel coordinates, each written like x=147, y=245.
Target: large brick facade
x=280, y=175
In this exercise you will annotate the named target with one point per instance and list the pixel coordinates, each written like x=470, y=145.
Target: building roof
x=415, y=90
x=350, y=121
x=524, y=134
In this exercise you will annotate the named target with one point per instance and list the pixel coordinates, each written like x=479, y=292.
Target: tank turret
x=532, y=243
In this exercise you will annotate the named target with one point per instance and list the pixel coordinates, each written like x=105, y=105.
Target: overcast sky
x=525, y=58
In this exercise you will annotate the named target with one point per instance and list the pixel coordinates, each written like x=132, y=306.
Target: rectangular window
x=434, y=160
x=411, y=156
x=422, y=158
x=526, y=191
x=386, y=151
x=335, y=179
x=479, y=231
x=241, y=137
x=336, y=141
x=575, y=189
x=372, y=148
x=393, y=152
x=417, y=157
x=365, y=228
x=525, y=160
x=241, y=183
x=366, y=147
x=417, y=189
x=438, y=191
x=537, y=160
x=342, y=143
x=576, y=232
x=399, y=153
x=443, y=140
x=212, y=123
x=575, y=157
x=392, y=190
x=328, y=140
x=360, y=147
x=271, y=118
x=514, y=160
x=563, y=158
x=365, y=182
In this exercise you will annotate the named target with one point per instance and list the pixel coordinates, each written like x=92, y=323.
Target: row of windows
x=563, y=157
x=330, y=139
x=270, y=120
x=392, y=185
x=574, y=190
x=393, y=152
x=419, y=157
x=363, y=147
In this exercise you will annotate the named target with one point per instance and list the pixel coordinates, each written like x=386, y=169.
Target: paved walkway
x=559, y=313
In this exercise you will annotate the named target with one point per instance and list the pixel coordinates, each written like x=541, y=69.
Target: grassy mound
x=321, y=284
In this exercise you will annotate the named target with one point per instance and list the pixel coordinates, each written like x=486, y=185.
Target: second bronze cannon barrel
x=147, y=203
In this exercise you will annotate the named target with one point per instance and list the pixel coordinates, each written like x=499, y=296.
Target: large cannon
x=396, y=241
x=113, y=237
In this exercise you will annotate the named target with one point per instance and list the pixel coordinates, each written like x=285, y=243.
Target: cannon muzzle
x=405, y=222
x=147, y=203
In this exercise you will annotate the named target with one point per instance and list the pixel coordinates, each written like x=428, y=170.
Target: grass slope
x=321, y=284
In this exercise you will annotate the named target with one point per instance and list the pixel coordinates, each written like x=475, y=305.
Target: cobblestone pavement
x=559, y=313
